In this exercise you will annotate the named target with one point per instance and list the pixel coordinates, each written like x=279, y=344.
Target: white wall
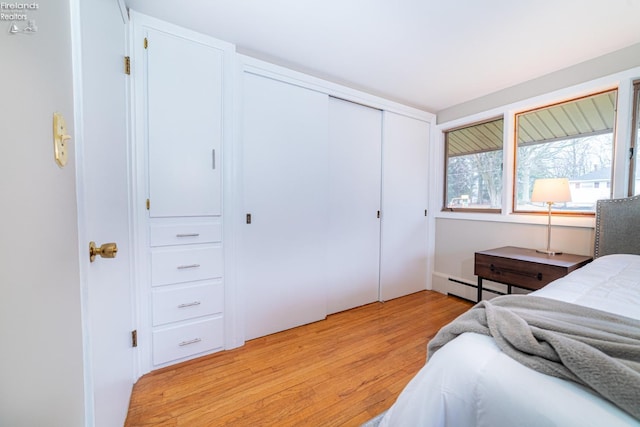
x=41, y=374
x=458, y=240
x=605, y=65
x=459, y=235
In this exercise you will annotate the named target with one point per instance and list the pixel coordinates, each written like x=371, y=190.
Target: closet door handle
x=213, y=159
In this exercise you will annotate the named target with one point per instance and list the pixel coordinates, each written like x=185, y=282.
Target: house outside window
x=573, y=140
x=591, y=186
x=473, y=164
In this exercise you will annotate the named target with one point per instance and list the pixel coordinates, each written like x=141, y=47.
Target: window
x=634, y=174
x=571, y=140
x=473, y=179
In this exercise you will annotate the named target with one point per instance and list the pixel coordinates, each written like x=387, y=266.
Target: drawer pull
x=184, y=267
x=189, y=304
x=188, y=235
x=498, y=271
x=193, y=341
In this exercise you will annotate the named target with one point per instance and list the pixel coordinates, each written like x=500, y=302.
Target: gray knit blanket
x=590, y=347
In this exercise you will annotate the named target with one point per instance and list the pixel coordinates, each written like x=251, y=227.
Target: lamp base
x=549, y=251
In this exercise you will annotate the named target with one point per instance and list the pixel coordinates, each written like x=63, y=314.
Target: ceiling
x=430, y=54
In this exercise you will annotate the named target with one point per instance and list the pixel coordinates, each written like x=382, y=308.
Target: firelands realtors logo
x=19, y=16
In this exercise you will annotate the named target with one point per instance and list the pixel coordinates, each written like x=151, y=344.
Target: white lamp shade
x=551, y=190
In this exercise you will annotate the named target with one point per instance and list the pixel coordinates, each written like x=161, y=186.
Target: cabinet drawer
x=187, y=340
x=185, y=264
x=524, y=274
x=174, y=304
x=184, y=233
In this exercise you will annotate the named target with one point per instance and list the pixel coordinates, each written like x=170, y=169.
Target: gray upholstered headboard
x=617, y=226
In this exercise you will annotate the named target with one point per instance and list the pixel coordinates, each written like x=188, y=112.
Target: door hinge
x=134, y=338
x=127, y=65
x=148, y=204
x=631, y=153
x=146, y=43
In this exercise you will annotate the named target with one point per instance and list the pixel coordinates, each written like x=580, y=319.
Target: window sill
x=581, y=221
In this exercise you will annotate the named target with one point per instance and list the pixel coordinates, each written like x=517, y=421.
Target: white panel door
x=283, y=249
x=184, y=102
x=104, y=214
x=403, y=262
x=355, y=144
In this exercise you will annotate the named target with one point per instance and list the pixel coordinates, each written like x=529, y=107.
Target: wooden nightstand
x=523, y=268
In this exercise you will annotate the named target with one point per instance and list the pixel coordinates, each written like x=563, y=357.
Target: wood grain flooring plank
x=341, y=371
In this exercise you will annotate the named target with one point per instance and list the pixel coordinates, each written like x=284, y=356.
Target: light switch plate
x=60, y=140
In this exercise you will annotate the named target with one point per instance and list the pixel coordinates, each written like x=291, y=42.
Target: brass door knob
x=107, y=250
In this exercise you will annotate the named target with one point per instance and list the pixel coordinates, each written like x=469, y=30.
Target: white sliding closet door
x=285, y=174
x=403, y=262
x=355, y=144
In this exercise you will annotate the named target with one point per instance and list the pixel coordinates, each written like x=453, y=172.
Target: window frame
x=445, y=133
x=528, y=98
x=633, y=148
x=514, y=177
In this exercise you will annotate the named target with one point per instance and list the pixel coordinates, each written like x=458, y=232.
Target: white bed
x=471, y=382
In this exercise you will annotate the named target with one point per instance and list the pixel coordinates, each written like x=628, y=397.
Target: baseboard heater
x=471, y=285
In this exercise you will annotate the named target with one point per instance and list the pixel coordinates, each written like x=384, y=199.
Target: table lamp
x=550, y=191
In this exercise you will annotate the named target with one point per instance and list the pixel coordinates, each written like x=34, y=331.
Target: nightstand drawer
x=524, y=274
x=523, y=268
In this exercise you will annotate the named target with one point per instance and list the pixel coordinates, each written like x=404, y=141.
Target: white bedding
x=470, y=382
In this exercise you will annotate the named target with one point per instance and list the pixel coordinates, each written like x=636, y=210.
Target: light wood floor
x=341, y=371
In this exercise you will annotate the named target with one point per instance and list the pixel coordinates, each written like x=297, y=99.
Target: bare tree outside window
x=571, y=140
x=474, y=167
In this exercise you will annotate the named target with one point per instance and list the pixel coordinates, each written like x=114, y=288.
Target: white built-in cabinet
x=179, y=116
x=324, y=196
x=184, y=105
